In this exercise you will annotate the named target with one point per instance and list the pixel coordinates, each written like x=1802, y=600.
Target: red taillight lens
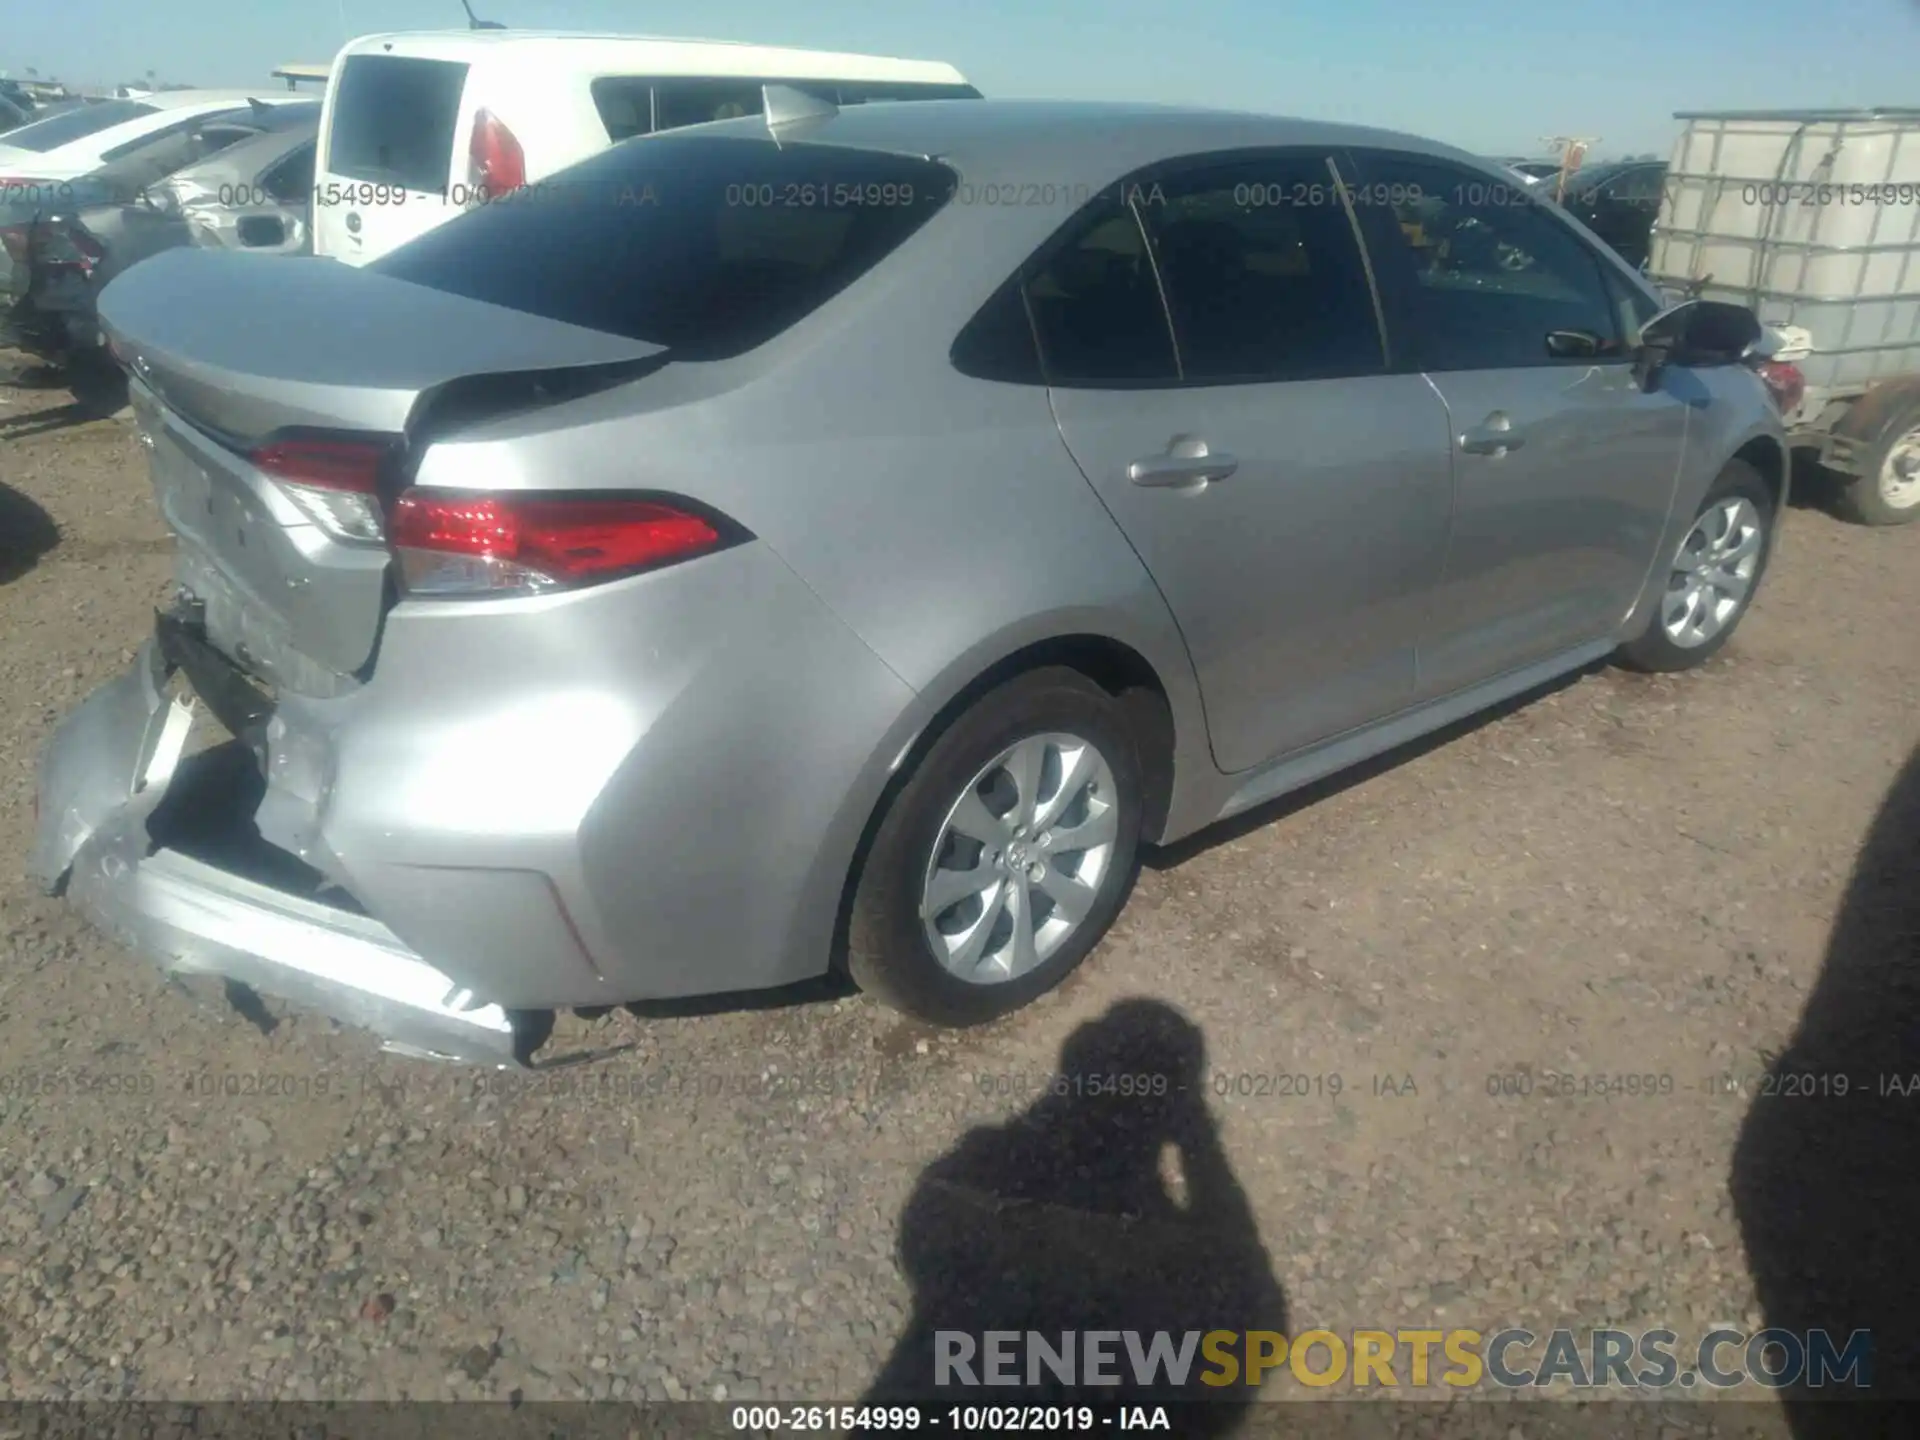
x=331, y=464
x=497, y=163
x=452, y=543
x=336, y=483
x=16, y=242
x=61, y=245
x=1785, y=383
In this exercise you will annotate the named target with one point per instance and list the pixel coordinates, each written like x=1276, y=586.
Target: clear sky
x=1490, y=77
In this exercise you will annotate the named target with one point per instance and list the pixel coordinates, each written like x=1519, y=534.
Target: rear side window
x=1096, y=305
x=625, y=105
x=1263, y=273
x=697, y=102
x=683, y=242
x=393, y=120
x=57, y=130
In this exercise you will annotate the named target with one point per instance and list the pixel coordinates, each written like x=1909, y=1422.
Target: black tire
x=1860, y=498
x=889, y=954
x=1654, y=651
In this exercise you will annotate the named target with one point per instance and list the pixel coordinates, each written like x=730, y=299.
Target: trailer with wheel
x=1812, y=219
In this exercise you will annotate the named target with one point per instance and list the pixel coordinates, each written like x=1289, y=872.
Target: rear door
x=1287, y=492
x=1564, y=468
x=386, y=156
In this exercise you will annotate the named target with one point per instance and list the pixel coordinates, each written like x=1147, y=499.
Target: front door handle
x=1188, y=462
x=1494, y=436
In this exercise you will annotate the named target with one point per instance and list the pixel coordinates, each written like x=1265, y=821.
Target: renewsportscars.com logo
x=1375, y=1359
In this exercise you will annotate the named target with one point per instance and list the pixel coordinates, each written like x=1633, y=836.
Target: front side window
x=1262, y=271
x=1477, y=276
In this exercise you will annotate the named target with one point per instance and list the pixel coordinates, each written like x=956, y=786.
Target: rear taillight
x=17, y=243
x=336, y=483
x=64, y=245
x=454, y=543
x=496, y=163
x=1784, y=383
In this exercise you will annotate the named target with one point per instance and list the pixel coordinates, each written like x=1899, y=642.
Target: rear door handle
x=1493, y=436
x=1188, y=462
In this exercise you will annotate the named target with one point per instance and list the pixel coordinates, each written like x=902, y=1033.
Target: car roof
x=249, y=157
x=1063, y=141
x=669, y=54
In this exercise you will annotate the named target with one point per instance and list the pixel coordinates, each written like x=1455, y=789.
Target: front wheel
x=1887, y=490
x=1005, y=856
x=1711, y=577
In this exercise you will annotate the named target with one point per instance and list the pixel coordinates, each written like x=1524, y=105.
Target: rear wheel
x=1711, y=577
x=1005, y=856
x=1887, y=490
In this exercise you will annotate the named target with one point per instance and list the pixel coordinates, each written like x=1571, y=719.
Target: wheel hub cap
x=1713, y=573
x=1900, y=473
x=1020, y=858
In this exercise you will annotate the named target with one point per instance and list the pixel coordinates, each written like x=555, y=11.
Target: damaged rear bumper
x=103, y=776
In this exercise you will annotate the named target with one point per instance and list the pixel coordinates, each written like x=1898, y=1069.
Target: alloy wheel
x=1713, y=572
x=1020, y=858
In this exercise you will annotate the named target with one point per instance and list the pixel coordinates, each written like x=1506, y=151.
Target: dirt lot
x=1622, y=877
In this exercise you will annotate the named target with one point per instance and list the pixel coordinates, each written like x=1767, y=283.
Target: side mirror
x=1697, y=333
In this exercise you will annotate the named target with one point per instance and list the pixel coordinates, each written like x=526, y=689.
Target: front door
x=1287, y=494
x=1564, y=468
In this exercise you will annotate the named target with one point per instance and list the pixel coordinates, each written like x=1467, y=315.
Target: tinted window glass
x=291, y=181
x=71, y=125
x=1262, y=273
x=393, y=120
x=998, y=342
x=1476, y=275
x=1631, y=304
x=653, y=241
x=1096, y=305
x=625, y=104
x=696, y=102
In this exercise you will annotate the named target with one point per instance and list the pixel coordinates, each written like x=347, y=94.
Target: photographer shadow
x=1827, y=1187
x=1097, y=1210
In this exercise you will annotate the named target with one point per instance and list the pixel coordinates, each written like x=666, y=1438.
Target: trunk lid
x=228, y=350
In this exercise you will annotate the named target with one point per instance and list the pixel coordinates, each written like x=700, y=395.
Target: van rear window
x=707, y=246
x=393, y=121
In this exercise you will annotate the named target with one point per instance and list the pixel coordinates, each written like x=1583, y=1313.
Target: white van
x=419, y=127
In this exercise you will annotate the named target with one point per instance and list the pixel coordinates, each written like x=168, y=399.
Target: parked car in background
x=13, y=115
x=62, y=241
x=597, y=594
x=421, y=127
x=131, y=142
x=1531, y=170
x=1618, y=201
x=1812, y=217
x=255, y=195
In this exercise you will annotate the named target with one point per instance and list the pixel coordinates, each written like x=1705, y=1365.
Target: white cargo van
x=421, y=126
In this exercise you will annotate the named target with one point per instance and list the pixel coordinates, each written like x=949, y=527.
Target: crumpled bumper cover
x=103, y=774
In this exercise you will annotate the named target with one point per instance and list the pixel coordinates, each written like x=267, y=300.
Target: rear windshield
x=71, y=125
x=393, y=120
x=707, y=246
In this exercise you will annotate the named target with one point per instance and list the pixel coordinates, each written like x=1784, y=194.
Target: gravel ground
x=1624, y=876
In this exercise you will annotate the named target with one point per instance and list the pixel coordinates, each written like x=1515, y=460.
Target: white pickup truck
x=1812, y=219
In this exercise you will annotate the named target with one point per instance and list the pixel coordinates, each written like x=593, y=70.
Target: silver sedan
x=840, y=540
